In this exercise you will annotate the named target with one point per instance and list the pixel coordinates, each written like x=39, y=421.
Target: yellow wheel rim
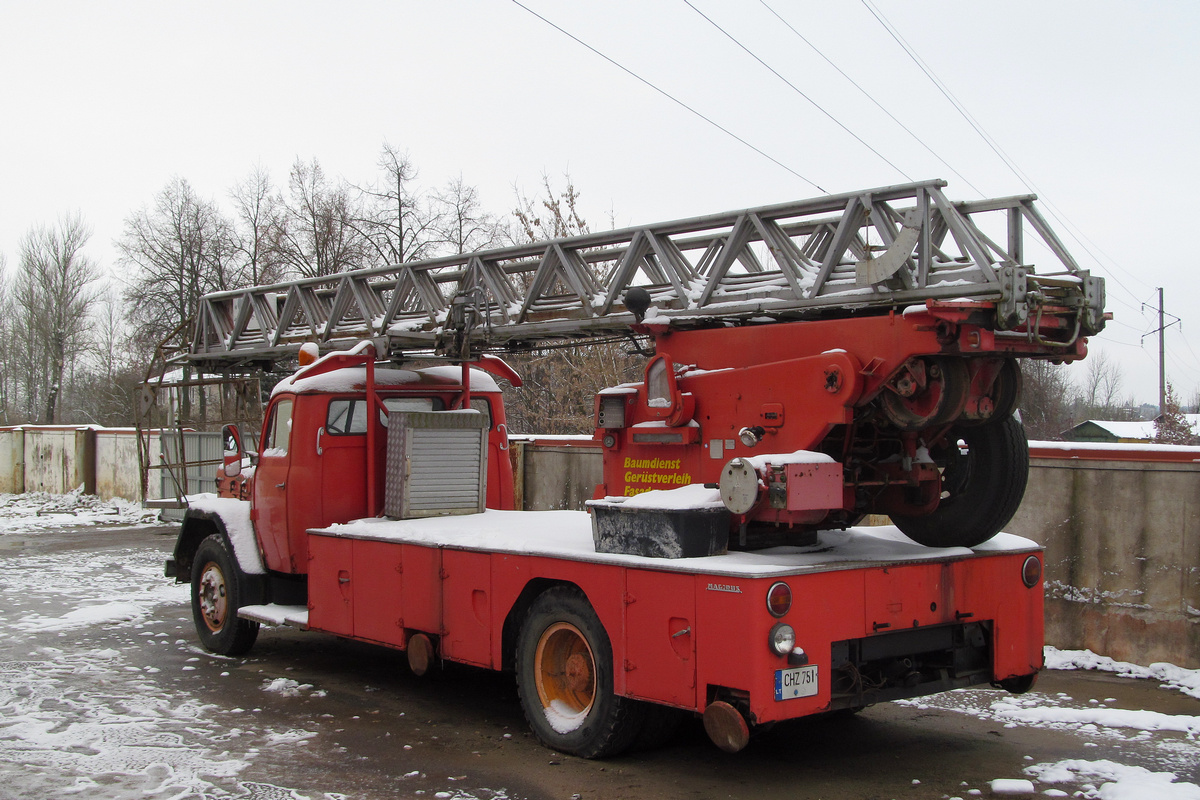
x=565, y=671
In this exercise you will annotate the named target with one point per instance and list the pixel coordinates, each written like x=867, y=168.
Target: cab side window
x=349, y=417
x=346, y=417
x=279, y=432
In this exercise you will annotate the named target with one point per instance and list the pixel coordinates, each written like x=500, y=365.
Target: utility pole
x=1162, y=350
x=1162, y=358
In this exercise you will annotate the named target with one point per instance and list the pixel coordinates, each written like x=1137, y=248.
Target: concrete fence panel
x=555, y=473
x=117, y=473
x=50, y=460
x=12, y=461
x=1122, y=541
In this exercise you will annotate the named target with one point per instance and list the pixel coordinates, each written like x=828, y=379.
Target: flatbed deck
x=568, y=535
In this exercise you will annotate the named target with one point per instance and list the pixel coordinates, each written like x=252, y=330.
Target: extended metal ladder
x=887, y=248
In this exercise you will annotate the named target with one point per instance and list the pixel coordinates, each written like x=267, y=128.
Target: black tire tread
x=620, y=719
x=229, y=641
x=1000, y=472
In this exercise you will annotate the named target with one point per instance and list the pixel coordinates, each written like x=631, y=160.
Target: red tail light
x=779, y=599
x=1031, y=571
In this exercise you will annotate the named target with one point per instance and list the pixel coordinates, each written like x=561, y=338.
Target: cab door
x=270, y=510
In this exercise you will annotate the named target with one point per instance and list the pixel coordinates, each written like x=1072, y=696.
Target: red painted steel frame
x=675, y=634
x=797, y=380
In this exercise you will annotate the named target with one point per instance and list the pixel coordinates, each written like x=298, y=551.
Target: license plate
x=796, y=682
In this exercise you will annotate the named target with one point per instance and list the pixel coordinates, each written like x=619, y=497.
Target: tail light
x=1031, y=571
x=779, y=599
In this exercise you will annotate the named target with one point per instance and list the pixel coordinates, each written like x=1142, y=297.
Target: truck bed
x=568, y=535
x=685, y=631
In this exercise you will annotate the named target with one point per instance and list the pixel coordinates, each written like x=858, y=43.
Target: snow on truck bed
x=568, y=534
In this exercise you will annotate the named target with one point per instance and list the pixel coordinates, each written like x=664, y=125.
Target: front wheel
x=983, y=481
x=565, y=678
x=216, y=598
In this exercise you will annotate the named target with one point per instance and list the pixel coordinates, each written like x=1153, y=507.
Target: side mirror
x=232, y=451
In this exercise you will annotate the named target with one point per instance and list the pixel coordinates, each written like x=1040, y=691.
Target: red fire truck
x=717, y=570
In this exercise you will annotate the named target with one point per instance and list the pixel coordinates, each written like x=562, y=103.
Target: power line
x=797, y=90
x=670, y=97
x=992, y=143
x=907, y=48
x=868, y=95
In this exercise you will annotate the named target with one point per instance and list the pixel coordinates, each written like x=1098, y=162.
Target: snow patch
x=1119, y=782
x=235, y=514
x=1183, y=680
x=286, y=687
x=31, y=512
x=85, y=617
x=1005, y=786
x=692, y=496
x=562, y=718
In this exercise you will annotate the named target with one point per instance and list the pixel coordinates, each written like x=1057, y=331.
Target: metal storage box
x=436, y=464
x=658, y=533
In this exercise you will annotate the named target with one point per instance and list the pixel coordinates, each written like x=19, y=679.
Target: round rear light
x=1031, y=571
x=779, y=599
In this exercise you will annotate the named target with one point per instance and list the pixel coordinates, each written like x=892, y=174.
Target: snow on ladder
x=884, y=248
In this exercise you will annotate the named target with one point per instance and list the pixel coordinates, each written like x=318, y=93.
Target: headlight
x=783, y=639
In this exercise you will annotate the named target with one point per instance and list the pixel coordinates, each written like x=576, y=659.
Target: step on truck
x=808, y=364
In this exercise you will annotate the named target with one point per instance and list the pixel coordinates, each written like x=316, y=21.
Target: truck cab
x=321, y=462
x=315, y=446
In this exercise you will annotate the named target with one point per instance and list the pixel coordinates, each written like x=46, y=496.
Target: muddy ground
x=105, y=694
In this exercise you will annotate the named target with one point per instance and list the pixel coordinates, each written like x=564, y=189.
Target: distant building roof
x=1100, y=430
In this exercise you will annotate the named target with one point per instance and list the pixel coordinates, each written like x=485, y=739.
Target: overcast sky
x=101, y=104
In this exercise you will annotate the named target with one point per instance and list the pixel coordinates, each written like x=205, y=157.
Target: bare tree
x=553, y=215
x=1100, y=391
x=175, y=253
x=258, y=219
x=559, y=383
x=463, y=226
x=320, y=235
x=7, y=375
x=1046, y=399
x=398, y=218
x=55, y=287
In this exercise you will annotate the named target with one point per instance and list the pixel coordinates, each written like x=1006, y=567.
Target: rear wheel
x=565, y=679
x=982, y=485
x=216, y=598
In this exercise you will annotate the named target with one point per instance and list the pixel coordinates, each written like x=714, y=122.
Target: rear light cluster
x=782, y=638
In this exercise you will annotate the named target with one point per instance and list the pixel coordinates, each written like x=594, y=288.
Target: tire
x=565, y=679
x=981, y=488
x=216, y=598
x=1018, y=685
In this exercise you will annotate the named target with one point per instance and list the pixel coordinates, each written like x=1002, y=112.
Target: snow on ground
x=89, y=707
x=32, y=511
x=1171, y=676
x=1094, y=721
x=85, y=713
